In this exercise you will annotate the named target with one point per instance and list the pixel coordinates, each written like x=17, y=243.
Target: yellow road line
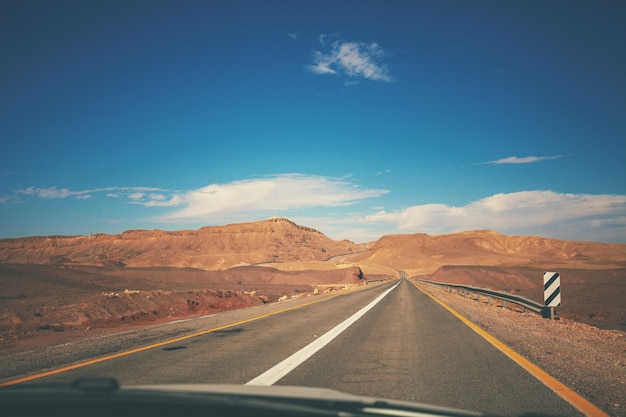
x=580, y=403
x=155, y=345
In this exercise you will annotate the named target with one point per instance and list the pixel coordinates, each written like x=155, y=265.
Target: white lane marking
x=275, y=373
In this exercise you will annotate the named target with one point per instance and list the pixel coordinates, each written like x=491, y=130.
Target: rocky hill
x=281, y=241
x=419, y=254
x=209, y=248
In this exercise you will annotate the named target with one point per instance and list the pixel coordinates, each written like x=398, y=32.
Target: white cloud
x=161, y=201
x=325, y=204
x=322, y=67
x=354, y=59
x=522, y=160
x=51, y=192
x=136, y=193
x=544, y=213
x=266, y=196
x=326, y=39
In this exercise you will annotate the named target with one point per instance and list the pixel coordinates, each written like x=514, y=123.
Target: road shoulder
x=589, y=360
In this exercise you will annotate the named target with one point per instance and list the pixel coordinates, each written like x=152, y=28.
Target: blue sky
x=358, y=118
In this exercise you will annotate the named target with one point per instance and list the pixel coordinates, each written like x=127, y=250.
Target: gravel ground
x=589, y=360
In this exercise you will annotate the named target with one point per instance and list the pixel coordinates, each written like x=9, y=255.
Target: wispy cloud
x=356, y=60
x=159, y=200
x=520, y=160
x=265, y=196
x=253, y=198
x=51, y=192
x=134, y=193
x=544, y=213
x=332, y=206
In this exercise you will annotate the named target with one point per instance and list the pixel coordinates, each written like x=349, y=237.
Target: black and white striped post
x=552, y=291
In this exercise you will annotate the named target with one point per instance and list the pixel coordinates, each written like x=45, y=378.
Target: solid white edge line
x=274, y=374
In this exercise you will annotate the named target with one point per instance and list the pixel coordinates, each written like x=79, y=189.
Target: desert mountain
x=209, y=248
x=594, y=274
x=281, y=241
x=420, y=254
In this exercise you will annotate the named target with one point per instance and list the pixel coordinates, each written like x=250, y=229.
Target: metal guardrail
x=475, y=293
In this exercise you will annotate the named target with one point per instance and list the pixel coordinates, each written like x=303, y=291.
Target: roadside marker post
x=551, y=291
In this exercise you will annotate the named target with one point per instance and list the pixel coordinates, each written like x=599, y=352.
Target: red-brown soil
x=59, y=298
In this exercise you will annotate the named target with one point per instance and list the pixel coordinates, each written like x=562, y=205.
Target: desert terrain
x=57, y=287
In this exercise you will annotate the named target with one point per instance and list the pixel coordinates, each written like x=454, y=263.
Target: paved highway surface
x=404, y=347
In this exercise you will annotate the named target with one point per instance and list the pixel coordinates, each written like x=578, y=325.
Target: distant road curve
x=330, y=258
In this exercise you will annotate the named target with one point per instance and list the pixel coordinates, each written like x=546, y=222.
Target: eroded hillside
x=209, y=248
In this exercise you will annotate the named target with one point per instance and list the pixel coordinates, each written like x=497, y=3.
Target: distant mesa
x=211, y=248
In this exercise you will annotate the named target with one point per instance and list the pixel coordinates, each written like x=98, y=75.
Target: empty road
x=404, y=347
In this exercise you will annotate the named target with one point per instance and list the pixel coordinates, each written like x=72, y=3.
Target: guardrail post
x=549, y=313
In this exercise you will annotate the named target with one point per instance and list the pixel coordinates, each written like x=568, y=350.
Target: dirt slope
x=60, y=298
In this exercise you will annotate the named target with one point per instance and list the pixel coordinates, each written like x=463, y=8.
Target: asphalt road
x=405, y=347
